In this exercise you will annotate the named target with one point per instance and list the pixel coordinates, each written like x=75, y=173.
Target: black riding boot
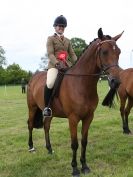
x=47, y=112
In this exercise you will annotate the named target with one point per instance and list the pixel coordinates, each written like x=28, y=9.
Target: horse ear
x=100, y=33
x=118, y=36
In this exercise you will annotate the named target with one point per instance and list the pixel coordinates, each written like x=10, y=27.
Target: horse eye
x=105, y=52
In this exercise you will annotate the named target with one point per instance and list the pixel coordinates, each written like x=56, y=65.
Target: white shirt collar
x=59, y=34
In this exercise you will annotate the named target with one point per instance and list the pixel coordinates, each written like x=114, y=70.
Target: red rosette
x=62, y=55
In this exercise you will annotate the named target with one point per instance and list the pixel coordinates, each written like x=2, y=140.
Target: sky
x=26, y=24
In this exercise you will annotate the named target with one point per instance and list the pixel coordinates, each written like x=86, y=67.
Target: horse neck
x=87, y=64
x=87, y=72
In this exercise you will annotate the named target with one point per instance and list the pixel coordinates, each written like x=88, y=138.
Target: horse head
x=107, y=60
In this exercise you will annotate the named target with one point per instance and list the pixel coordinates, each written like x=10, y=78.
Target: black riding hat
x=60, y=20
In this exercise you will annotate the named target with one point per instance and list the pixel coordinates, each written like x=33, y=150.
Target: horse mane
x=101, y=36
x=83, y=51
x=108, y=37
x=87, y=47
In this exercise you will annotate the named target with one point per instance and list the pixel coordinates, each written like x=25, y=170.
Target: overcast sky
x=26, y=24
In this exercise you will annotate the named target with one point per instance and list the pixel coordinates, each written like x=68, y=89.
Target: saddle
x=56, y=88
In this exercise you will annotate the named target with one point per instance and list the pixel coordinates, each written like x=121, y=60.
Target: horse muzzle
x=114, y=83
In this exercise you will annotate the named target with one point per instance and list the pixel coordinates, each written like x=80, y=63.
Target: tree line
x=13, y=74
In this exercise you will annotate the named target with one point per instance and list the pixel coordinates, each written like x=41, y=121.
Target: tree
x=15, y=74
x=3, y=75
x=44, y=62
x=78, y=45
x=2, y=57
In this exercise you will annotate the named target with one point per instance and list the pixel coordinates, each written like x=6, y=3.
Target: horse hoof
x=51, y=152
x=32, y=150
x=76, y=173
x=128, y=132
x=85, y=170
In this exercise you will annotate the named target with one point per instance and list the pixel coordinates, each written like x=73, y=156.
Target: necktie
x=62, y=37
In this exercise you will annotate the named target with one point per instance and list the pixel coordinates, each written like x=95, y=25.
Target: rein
x=102, y=73
x=83, y=75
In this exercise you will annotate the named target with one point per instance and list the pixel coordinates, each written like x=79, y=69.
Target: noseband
x=104, y=68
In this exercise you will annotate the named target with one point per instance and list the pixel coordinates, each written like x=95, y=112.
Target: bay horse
x=78, y=98
x=125, y=92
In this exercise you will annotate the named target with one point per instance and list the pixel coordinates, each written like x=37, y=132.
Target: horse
x=125, y=92
x=78, y=98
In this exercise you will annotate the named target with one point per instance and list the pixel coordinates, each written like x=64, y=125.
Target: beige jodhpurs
x=51, y=77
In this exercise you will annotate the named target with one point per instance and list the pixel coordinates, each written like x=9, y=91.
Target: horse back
x=126, y=77
x=35, y=89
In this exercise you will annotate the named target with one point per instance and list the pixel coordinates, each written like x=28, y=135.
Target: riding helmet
x=60, y=20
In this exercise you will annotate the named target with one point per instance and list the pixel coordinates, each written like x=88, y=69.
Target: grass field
x=109, y=151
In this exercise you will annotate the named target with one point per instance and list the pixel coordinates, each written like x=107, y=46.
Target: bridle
x=103, y=67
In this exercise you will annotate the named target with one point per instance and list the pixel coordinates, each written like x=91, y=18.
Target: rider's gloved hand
x=58, y=66
x=61, y=66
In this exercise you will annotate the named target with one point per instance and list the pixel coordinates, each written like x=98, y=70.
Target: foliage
x=78, y=45
x=44, y=62
x=13, y=74
x=109, y=151
x=2, y=57
x=3, y=75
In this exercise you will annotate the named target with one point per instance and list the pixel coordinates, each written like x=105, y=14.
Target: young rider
x=60, y=54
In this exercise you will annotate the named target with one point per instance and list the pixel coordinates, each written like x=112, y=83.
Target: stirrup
x=47, y=112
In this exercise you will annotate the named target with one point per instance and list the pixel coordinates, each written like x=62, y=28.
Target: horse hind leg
x=34, y=121
x=30, y=128
x=127, y=112
x=47, y=123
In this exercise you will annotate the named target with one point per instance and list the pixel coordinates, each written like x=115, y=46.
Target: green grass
x=109, y=151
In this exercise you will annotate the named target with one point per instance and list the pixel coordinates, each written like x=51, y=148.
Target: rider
x=59, y=48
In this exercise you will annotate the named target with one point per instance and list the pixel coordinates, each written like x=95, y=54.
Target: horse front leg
x=122, y=111
x=85, y=126
x=47, y=123
x=127, y=112
x=73, y=123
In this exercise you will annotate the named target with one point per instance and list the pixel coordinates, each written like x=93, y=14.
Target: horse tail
x=109, y=98
x=38, y=119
